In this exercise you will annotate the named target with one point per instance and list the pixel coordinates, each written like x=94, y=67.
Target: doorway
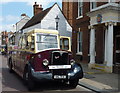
x=117, y=58
x=117, y=54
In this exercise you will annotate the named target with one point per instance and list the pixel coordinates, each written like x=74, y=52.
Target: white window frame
x=80, y=15
x=111, y=1
x=79, y=35
x=93, y=5
x=36, y=44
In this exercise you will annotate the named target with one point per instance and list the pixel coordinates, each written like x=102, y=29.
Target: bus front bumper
x=75, y=72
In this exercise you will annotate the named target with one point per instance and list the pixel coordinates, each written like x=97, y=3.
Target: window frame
x=24, y=42
x=111, y=1
x=20, y=43
x=79, y=42
x=62, y=43
x=93, y=6
x=80, y=15
x=36, y=42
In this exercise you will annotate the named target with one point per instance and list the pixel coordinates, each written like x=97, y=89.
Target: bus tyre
x=25, y=77
x=30, y=83
x=27, y=80
x=73, y=83
x=10, y=66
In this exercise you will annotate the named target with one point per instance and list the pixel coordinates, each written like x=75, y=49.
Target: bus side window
x=20, y=43
x=30, y=42
x=64, y=43
x=24, y=42
x=32, y=45
x=61, y=43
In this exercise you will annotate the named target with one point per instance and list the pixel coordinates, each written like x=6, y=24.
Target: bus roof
x=43, y=31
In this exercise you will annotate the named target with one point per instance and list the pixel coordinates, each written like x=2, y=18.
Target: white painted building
x=19, y=25
x=46, y=20
x=0, y=38
x=107, y=17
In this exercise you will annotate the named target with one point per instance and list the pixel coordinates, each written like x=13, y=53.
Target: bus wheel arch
x=27, y=80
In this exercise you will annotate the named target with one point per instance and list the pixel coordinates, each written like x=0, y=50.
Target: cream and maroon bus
x=44, y=55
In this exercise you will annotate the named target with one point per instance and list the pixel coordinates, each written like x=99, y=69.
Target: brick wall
x=71, y=12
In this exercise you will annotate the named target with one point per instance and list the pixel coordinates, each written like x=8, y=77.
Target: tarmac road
x=12, y=82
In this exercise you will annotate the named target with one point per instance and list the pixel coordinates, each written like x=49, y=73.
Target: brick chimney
x=37, y=9
x=23, y=15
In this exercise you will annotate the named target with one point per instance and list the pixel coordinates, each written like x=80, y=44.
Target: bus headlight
x=72, y=61
x=45, y=62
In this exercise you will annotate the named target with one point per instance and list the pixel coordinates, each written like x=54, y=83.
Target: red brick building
x=4, y=38
x=95, y=31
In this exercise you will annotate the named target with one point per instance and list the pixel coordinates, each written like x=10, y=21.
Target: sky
x=11, y=10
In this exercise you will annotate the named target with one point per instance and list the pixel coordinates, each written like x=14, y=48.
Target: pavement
x=100, y=81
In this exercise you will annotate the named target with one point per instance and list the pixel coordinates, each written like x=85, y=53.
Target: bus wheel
x=28, y=80
x=25, y=77
x=10, y=66
x=73, y=83
x=30, y=83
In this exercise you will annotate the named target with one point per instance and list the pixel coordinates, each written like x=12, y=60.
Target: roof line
x=22, y=19
x=64, y=15
x=37, y=15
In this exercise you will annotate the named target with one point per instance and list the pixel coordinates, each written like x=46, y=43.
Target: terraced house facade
x=96, y=32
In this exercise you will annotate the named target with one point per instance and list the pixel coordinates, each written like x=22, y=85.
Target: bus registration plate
x=60, y=77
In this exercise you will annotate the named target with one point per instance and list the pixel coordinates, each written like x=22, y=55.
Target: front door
x=117, y=54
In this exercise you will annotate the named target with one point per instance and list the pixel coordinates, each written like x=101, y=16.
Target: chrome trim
x=48, y=75
x=75, y=70
x=41, y=75
x=59, y=66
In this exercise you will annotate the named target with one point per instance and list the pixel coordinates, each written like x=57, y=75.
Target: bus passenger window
x=20, y=43
x=32, y=45
x=61, y=43
x=23, y=43
x=64, y=43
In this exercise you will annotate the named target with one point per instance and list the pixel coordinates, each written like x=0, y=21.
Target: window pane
x=80, y=9
x=80, y=46
x=80, y=42
x=20, y=42
x=23, y=43
x=46, y=41
x=61, y=43
x=42, y=46
x=47, y=38
x=66, y=44
x=93, y=5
